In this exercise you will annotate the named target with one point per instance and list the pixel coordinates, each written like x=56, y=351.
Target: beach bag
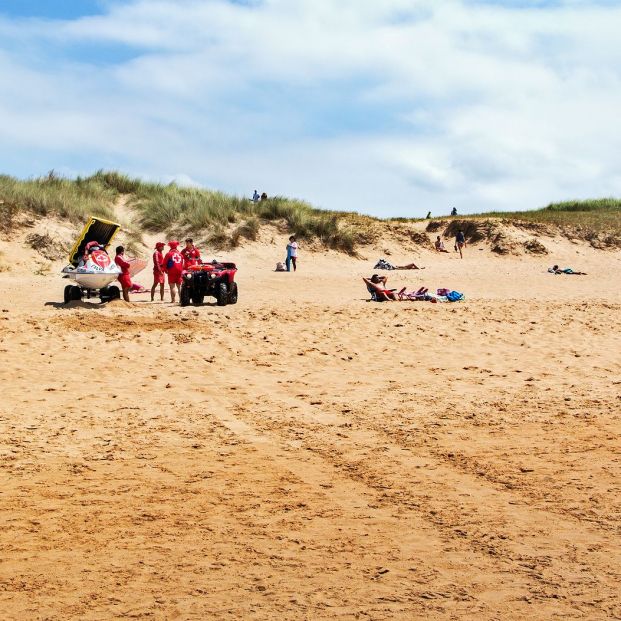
x=454, y=296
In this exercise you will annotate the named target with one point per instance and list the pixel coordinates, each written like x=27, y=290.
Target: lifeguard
x=191, y=254
x=173, y=265
x=158, y=271
x=124, y=277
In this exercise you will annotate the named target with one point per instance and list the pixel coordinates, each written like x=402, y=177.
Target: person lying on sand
x=382, y=264
x=409, y=266
x=555, y=270
x=419, y=294
x=377, y=284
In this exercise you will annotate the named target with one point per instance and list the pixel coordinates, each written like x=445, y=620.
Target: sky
x=391, y=108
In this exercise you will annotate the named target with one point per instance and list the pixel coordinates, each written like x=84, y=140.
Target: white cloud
x=392, y=108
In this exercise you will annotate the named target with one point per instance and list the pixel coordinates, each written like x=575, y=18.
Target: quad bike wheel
x=184, y=295
x=233, y=293
x=67, y=294
x=222, y=294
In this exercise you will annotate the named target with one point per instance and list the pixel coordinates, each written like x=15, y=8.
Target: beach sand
x=307, y=454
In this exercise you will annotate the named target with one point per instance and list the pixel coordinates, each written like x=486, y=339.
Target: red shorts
x=174, y=278
x=158, y=278
x=125, y=280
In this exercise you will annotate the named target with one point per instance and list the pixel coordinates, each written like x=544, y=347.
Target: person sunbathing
x=382, y=264
x=377, y=285
x=419, y=294
x=409, y=266
x=555, y=270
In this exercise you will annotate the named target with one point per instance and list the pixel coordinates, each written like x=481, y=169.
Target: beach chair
x=373, y=294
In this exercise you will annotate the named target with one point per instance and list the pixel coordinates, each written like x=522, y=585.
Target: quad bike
x=213, y=279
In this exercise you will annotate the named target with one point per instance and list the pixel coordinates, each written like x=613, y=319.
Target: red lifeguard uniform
x=124, y=277
x=191, y=256
x=158, y=264
x=173, y=264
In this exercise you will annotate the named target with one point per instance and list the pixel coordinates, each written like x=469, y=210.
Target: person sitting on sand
x=440, y=245
x=555, y=270
x=377, y=284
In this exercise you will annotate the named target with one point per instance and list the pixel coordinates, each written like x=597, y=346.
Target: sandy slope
x=309, y=455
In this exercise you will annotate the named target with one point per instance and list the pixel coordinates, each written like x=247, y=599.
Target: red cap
x=159, y=245
x=173, y=244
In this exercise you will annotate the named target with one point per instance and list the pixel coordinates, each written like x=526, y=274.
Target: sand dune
x=307, y=454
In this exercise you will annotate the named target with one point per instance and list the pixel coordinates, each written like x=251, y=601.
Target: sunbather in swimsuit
x=555, y=270
x=378, y=285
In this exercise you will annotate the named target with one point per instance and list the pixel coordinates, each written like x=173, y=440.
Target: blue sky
x=392, y=108
x=65, y=9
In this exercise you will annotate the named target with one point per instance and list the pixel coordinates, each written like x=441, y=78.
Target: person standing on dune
x=158, y=271
x=173, y=264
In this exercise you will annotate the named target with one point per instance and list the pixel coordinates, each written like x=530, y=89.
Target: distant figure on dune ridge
x=460, y=242
x=556, y=270
x=454, y=211
x=255, y=197
x=439, y=244
x=263, y=196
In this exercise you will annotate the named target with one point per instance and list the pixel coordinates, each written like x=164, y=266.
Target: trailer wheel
x=67, y=294
x=76, y=293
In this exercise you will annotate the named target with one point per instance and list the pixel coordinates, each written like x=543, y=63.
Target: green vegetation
x=225, y=220
x=54, y=196
x=595, y=216
x=229, y=218
x=597, y=221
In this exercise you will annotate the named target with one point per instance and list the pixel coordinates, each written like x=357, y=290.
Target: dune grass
x=225, y=220
x=228, y=219
x=597, y=215
x=54, y=196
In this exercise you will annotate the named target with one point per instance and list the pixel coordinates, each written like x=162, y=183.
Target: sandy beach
x=308, y=454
